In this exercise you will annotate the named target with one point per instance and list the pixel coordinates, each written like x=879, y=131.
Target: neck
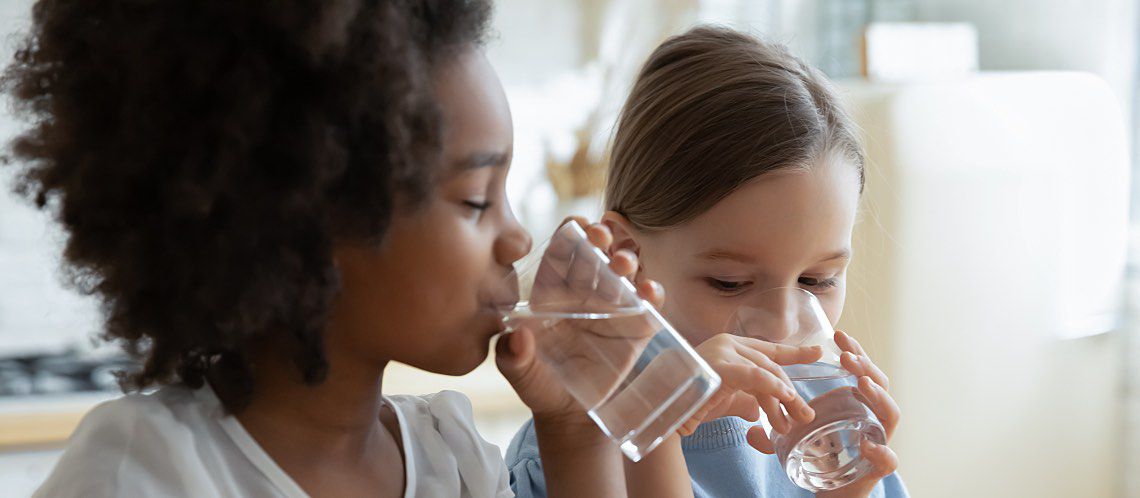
x=340, y=415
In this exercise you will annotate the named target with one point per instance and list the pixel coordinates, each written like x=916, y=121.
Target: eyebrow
x=727, y=255
x=482, y=160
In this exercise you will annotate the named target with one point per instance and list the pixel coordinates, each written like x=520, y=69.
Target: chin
x=461, y=352
x=463, y=362
x=463, y=355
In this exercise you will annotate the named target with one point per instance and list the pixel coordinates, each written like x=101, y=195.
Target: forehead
x=794, y=215
x=473, y=106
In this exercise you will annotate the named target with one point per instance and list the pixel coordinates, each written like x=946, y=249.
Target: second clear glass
x=823, y=454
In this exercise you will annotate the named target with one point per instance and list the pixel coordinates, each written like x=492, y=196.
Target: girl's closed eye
x=819, y=283
x=477, y=204
x=727, y=286
x=476, y=208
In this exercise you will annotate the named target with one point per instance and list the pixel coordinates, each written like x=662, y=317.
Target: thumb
x=715, y=404
x=514, y=354
x=758, y=439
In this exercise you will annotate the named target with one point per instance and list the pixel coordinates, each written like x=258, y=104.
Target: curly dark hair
x=203, y=155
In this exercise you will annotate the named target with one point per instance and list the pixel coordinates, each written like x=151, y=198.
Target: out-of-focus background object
x=919, y=51
x=993, y=232
x=993, y=240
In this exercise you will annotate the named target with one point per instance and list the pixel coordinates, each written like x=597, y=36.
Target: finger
x=885, y=408
x=560, y=250
x=862, y=365
x=742, y=405
x=651, y=291
x=725, y=403
x=803, y=414
x=761, y=360
x=758, y=439
x=776, y=417
x=783, y=354
x=624, y=263
x=848, y=343
x=515, y=354
x=755, y=381
x=580, y=220
x=883, y=460
x=611, y=290
x=718, y=400
x=582, y=273
x=761, y=383
x=600, y=235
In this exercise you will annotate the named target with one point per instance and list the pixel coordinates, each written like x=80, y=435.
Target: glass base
x=829, y=457
x=663, y=420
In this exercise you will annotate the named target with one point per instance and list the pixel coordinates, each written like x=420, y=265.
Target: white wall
x=37, y=312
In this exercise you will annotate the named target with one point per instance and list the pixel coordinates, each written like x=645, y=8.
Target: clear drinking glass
x=823, y=454
x=634, y=375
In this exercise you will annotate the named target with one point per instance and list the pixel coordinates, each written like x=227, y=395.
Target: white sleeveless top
x=179, y=442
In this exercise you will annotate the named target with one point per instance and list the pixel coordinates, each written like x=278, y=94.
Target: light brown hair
x=712, y=109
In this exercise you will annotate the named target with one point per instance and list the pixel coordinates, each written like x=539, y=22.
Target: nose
x=772, y=317
x=513, y=242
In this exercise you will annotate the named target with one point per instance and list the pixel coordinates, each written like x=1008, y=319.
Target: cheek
x=832, y=302
x=697, y=313
x=424, y=282
x=691, y=307
x=444, y=273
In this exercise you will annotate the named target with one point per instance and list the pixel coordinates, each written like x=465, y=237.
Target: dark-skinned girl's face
x=427, y=296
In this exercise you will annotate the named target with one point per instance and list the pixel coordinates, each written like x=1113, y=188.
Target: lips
x=504, y=297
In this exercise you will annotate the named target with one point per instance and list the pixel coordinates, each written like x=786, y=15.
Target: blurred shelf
x=35, y=422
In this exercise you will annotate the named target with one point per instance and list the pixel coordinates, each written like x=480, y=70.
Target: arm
x=662, y=473
x=577, y=459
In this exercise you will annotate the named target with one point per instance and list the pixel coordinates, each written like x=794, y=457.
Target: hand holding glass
x=614, y=353
x=823, y=454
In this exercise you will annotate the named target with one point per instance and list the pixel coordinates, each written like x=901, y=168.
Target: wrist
x=573, y=418
x=568, y=431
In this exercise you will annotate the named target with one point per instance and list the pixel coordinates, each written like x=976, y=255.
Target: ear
x=625, y=235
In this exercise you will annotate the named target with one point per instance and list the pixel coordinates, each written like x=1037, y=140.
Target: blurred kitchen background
x=995, y=277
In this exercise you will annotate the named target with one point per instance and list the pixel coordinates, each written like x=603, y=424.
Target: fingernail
x=866, y=381
x=851, y=356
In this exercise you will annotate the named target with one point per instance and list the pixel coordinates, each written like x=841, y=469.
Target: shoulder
x=524, y=446
x=527, y=479
x=430, y=410
x=133, y=433
x=443, y=400
x=446, y=448
x=136, y=422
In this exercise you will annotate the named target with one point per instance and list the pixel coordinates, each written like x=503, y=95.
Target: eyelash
x=727, y=287
x=826, y=283
x=478, y=206
x=730, y=287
